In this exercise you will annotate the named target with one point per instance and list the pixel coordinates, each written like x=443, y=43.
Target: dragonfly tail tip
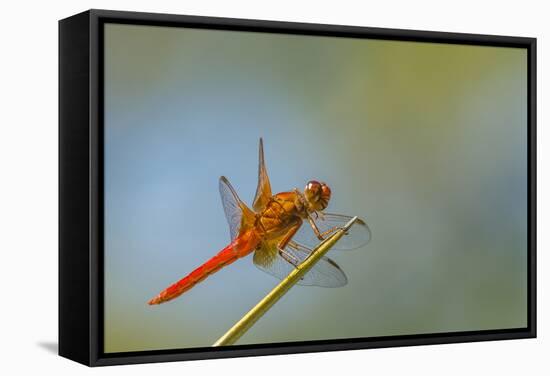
x=154, y=301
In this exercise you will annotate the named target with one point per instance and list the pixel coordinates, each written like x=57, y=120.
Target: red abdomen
x=240, y=247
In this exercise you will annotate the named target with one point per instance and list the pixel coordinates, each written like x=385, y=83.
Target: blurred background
x=426, y=142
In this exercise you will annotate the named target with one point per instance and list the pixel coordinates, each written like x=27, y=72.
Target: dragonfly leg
x=329, y=231
x=298, y=246
x=289, y=258
x=315, y=228
x=284, y=242
x=320, y=235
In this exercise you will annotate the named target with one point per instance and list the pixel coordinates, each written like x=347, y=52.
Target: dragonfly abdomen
x=240, y=247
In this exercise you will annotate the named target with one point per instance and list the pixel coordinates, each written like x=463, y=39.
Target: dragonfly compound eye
x=325, y=192
x=317, y=194
x=313, y=191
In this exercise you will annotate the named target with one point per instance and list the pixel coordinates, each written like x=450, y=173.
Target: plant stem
x=246, y=322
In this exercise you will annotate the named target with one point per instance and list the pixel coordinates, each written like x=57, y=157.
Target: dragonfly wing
x=263, y=190
x=325, y=273
x=358, y=235
x=236, y=211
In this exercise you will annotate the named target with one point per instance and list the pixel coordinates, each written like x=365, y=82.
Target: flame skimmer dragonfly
x=274, y=230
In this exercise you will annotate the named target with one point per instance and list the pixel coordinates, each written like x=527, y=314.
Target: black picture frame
x=81, y=182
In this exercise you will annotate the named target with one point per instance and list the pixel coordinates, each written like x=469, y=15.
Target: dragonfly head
x=317, y=195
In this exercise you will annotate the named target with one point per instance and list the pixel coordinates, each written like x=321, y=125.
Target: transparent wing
x=325, y=273
x=357, y=236
x=236, y=211
x=263, y=190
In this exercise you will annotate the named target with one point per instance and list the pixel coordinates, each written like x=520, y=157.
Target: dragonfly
x=280, y=230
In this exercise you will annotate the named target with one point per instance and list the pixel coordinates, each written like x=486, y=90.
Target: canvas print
x=352, y=187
